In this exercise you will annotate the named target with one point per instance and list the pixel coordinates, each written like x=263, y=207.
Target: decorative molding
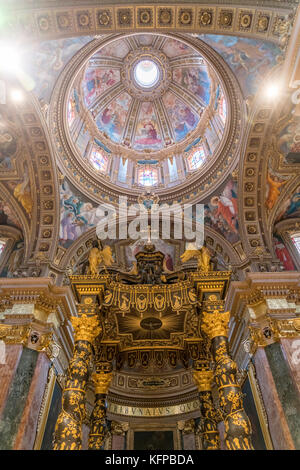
x=270, y=22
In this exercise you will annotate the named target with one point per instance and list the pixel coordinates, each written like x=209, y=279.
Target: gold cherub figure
x=203, y=256
x=98, y=257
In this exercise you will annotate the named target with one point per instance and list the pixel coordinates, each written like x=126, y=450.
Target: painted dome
x=151, y=102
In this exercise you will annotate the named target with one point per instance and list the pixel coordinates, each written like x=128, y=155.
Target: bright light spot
x=146, y=73
x=272, y=90
x=9, y=57
x=17, y=95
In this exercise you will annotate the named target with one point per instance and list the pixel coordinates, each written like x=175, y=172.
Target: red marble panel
x=189, y=441
x=117, y=442
x=7, y=371
x=291, y=351
x=28, y=425
x=278, y=426
x=85, y=437
x=221, y=429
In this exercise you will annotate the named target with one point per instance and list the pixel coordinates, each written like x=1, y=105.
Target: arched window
x=222, y=108
x=2, y=245
x=172, y=169
x=296, y=240
x=123, y=170
x=99, y=160
x=196, y=158
x=148, y=176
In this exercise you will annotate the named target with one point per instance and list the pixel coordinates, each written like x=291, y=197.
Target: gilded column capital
x=86, y=328
x=215, y=323
x=119, y=428
x=203, y=379
x=14, y=334
x=101, y=382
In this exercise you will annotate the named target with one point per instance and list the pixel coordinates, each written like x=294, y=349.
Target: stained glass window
x=296, y=241
x=148, y=176
x=99, y=160
x=196, y=158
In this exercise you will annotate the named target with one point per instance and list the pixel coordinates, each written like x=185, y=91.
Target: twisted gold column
x=237, y=424
x=101, y=379
x=209, y=425
x=67, y=434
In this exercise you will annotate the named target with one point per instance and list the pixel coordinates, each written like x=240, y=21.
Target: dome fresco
x=146, y=97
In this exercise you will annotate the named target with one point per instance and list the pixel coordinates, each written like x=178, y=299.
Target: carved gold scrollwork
x=215, y=324
x=101, y=381
x=86, y=328
x=203, y=379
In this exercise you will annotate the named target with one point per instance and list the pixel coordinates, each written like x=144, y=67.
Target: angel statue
x=203, y=256
x=97, y=257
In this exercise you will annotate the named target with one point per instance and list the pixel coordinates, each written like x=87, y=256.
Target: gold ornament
x=101, y=382
x=203, y=379
x=202, y=255
x=86, y=328
x=215, y=324
x=98, y=257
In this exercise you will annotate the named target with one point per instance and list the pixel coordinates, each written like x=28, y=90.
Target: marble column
x=8, y=369
x=209, y=423
x=278, y=426
x=291, y=351
x=118, y=432
x=237, y=424
x=67, y=434
x=101, y=379
x=188, y=435
x=28, y=424
x=16, y=399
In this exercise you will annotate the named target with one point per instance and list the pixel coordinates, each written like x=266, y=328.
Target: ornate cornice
x=51, y=20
